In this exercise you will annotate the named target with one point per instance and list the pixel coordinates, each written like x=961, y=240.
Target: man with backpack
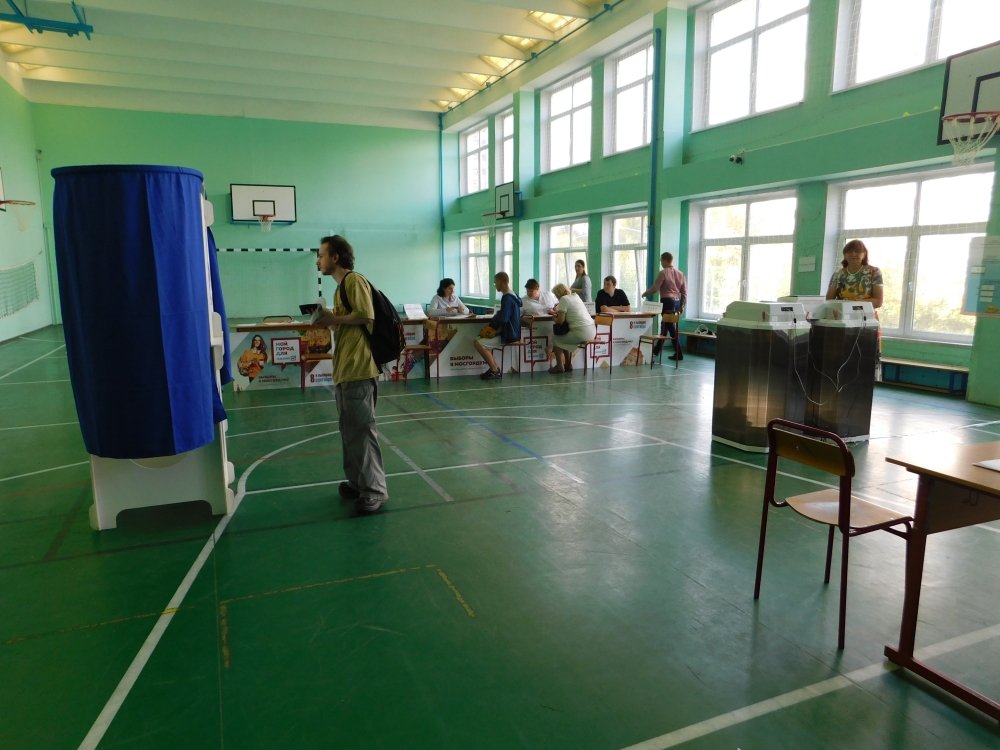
x=355, y=374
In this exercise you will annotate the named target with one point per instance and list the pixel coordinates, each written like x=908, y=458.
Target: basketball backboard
x=252, y=201
x=971, y=83
x=507, y=201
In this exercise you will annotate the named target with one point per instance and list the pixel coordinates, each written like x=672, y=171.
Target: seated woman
x=611, y=298
x=446, y=302
x=571, y=310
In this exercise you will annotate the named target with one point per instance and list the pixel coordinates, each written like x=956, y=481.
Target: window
x=475, y=159
x=566, y=123
x=505, y=147
x=505, y=253
x=625, y=258
x=630, y=97
x=476, y=265
x=918, y=232
x=929, y=30
x=564, y=245
x=746, y=251
x=755, y=57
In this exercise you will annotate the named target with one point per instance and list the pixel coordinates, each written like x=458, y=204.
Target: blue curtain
x=130, y=257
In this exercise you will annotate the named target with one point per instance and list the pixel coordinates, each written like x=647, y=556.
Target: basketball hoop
x=22, y=209
x=969, y=132
x=490, y=220
x=265, y=222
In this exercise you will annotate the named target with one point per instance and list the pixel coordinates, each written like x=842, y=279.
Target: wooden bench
x=931, y=376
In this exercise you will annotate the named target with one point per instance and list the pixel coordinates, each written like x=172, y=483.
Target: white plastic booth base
x=125, y=483
x=203, y=474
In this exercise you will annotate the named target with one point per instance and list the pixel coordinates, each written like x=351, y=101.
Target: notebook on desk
x=993, y=464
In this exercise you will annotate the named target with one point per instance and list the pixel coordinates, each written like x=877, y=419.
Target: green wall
x=880, y=128
x=20, y=181
x=376, y=186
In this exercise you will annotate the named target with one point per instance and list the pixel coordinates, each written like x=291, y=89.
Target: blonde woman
x=571, y=310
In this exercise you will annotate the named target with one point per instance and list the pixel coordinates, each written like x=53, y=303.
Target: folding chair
x=604, y=338
x=838, y=509
x=652, y=338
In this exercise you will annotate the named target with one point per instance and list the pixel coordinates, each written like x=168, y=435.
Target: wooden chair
x=522, y=345
x=605, y=338
x=404, y=356
x=838, y=509
x=653, y=338
x=278, y=319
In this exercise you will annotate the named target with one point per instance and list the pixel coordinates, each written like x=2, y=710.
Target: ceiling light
x=500, y=63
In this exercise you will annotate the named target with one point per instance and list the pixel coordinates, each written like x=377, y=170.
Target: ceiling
x=397, y=63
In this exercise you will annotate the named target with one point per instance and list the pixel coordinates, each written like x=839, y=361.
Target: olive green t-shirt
x=352, y=357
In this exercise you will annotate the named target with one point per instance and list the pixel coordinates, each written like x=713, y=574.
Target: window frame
x=612, y=90
x=505, y=144
x=912, y=235
x=703, y=58
x=848, y=44
x=466, y=239
x=696, y=267
x=641, y=249
x=482, y=152
x=545, y=235
x=545, y=161
x=504, y=248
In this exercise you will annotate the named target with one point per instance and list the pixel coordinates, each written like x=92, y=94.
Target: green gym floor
x=566, y=562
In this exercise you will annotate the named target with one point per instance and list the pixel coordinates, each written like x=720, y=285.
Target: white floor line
x=44, y=341
x=43, y=471
x=128, y=680
x=442, y=493
x=125, y=685
x=38, y=426
x=36, y=382
x=772, y=705
x=29, y=364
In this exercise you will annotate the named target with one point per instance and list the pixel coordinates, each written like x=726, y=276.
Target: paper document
x=993, y=463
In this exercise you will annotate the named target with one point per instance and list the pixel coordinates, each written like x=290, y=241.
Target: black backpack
x=386, y=339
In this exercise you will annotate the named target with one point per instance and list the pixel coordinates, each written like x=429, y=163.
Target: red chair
x=653, y=338
x=601, y=339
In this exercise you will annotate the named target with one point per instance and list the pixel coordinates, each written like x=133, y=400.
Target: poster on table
x=270, y=359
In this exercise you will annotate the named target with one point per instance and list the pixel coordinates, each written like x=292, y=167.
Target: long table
x=452, y=338
x=952, y=492
x=273, y=363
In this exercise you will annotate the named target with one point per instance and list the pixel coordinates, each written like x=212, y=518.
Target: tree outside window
x=626, y=257
x=564, y=245
x=918, y=232
x=746, y=251
x=476, y=265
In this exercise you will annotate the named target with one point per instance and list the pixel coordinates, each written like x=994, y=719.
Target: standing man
x=354, y=373
x=672, y=288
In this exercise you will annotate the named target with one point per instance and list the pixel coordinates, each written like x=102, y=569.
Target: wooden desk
x=952, y=492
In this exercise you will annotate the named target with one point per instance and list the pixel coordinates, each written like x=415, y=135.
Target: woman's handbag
x=560, y=329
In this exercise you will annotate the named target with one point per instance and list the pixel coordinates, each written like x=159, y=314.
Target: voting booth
x=760, y=367
x=843, y=352
x=145, y=340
